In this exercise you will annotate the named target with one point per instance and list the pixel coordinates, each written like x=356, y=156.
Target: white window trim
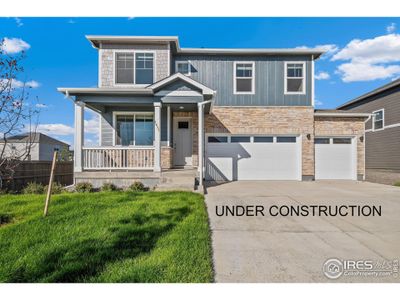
x=383, y=119
x=182, y=62
x=134, y=51
x=253, y=78
x=129, y=113
x=303, y=92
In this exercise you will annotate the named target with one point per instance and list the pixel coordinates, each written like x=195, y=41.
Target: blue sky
x=364, y=53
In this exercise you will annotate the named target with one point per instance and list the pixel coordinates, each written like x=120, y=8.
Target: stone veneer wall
x=195, y=129
x=267, y=120
x=332, y=126
x=107, y=61
x=167, y=157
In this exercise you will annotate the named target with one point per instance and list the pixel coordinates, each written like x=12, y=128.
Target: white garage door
x=335, y=158
x=253, y=158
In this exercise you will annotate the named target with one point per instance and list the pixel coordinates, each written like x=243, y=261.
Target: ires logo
x=333, y=268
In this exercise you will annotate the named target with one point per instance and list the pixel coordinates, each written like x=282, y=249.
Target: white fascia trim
x=253, y=77
x=322, y=114
x=177, y=93
x=303, y=92
x=312, y=82
x=205, y=90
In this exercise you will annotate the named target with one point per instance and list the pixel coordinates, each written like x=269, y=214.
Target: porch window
x=135, y=130
x=243, y=80
x=294, y=78
x=144, y=68
x=124, y=68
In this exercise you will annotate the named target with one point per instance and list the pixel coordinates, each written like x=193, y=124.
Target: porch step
x=177, y=180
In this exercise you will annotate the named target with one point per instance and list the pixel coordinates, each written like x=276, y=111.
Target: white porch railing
x=108, y=158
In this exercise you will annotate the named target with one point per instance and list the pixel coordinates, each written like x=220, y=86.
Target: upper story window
x=144, y=68
x=243, y=78
x=295, y=77
x=378, y=119
x=124, y=68
x=134, y=68
x=183, y=67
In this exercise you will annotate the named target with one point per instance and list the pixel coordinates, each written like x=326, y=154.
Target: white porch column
x=157, y=137
x=169, y=125
x=201, y=142
x=78, y=136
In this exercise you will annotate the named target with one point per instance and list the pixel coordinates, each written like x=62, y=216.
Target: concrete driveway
x=294, y=249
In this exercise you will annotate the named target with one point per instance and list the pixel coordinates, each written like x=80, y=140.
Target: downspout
x=200, y=107
x=364, y=141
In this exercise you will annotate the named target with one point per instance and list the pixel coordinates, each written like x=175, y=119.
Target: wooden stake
x=53, y=167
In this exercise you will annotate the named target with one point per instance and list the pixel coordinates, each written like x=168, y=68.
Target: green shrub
x=108, y=187
x=57, y=188
x=397, y=183
x=84, y=187
x=137, y=186
x=33, y=188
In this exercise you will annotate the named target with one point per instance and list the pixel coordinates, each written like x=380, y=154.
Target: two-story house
x=382, y=142
x=230, y=114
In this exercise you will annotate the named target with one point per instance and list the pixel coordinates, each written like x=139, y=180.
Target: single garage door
x=251, y=157
x=335, y=158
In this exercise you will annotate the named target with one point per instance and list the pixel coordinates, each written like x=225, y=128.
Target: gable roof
x=34, y=138
x=176, y=77
x=97, y=40
x=381, y=89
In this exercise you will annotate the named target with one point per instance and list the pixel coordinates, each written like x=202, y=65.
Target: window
x=183, y=67
x=263, y=139
x=124, y=68
x=321, y=140
x=294, y=78
x=243, y=80
x=134, y=68
x=341, y=140
x=286, y=139
x=378, y=119
x=183, y=125
x=56, y=149
x=240, y=139
x=144, y=68
x=217, y=139
x=136, y=129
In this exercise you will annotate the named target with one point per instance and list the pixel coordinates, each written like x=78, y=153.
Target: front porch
x=141, y=136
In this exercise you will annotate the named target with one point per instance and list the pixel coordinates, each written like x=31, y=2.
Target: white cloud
x=19, y=22
x=370, y=59
x=56, y=129
x=318, y=102
x=391, y=28
x=41, y=105
x=14, y=45
x=92, y=125
x=329, y=49
x=322, y=75
x=29, y=84
x=71, y=21
x=351, y=72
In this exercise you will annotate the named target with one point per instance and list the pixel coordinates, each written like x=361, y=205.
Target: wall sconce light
x=361, y=139
x=308, y=136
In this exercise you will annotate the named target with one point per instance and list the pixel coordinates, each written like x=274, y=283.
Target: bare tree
x=17, y=114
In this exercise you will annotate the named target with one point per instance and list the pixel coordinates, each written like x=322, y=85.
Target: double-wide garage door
x=335, y=158
x=253, y=157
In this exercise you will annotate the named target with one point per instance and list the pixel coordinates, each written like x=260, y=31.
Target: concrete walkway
x=294, y=249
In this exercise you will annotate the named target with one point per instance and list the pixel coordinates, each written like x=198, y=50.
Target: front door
x=182, y=141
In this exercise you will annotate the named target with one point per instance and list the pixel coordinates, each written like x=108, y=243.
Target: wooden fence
x=39, y=171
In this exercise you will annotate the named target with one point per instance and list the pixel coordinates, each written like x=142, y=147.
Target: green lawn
x=105, y=237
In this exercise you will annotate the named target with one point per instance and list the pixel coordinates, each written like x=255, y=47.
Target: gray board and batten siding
x=216, y=72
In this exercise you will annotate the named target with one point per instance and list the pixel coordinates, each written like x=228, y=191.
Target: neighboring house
x=382, y=131
x=240, y=114
x=37, y=146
